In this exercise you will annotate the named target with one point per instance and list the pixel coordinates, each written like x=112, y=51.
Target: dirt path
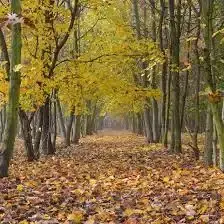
x=112, y=178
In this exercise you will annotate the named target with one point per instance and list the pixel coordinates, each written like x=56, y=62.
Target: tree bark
x=69, y=129
x=207, y=18
x=27, y=136
x=47, y=147
x=61, y=119
x=38, y=135
x=208, y=139
x=175, y=49
x=77, y=130
x=14, y=93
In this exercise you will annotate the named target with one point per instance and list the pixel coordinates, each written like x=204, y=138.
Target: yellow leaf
x=17, y=68
x=129, y=211
x=46, y=217
x=92, y=182
x=24, y=222
x=19, y=187
x=205, y=218
x=75, y=217
x=166, y=179
x=203, y=209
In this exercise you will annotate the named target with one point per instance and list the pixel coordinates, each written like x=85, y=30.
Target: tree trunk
x=38, y=135
x=185, y=94
x=164, y=69
x=175, y=49
x=14, y=92
x=197, y=88
x=207, y=18
x=27, y=136
x=165, y=137
x=47, y=147
x=61, y=119
x=139, y=124
x=54, y=120
x=155, y=108
x=89, y=130
x=148, y=126
x=208, y=139
x=214, y=146
x=69, y=129
x=77, y=130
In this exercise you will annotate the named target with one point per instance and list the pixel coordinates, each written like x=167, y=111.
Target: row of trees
x=156, y=63
x=190, y=36
x=77, y=56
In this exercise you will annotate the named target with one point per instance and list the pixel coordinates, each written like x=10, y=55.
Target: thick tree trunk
x=207, y=18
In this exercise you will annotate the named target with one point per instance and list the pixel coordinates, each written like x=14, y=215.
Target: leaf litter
x=112, y=179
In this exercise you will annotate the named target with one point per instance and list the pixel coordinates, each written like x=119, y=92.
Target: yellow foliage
x=102, y=71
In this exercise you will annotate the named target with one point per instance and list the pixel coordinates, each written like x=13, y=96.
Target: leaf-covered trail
x=112, y=178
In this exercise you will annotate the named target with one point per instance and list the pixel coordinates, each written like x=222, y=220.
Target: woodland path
x=113, y=177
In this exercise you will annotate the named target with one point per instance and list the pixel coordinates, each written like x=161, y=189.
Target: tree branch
x=65, y=38
x=5, y=52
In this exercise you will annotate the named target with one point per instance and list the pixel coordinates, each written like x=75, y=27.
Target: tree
x=175, y=66
x=14, y=91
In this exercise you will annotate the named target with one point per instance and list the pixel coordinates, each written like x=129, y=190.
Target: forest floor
x=112, y=178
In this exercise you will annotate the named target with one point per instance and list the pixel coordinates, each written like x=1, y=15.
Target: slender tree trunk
x=14, y=92
x=208, y=139
x=155, y=108
x=197, y=89
x=27, y=136
x=69, y=129
x=5, y=55
x=2, y=124
x=214, y=146
x=133, y=123
x=39, y=132
x=77, y=130
x=89, y=125
x=54, y=136
x=47, y=147
x=164, y=69
x=148, y=126
x=187, y=72
x=165, y=137
x=175, y=49
x=139, y=124
x=61, y=119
